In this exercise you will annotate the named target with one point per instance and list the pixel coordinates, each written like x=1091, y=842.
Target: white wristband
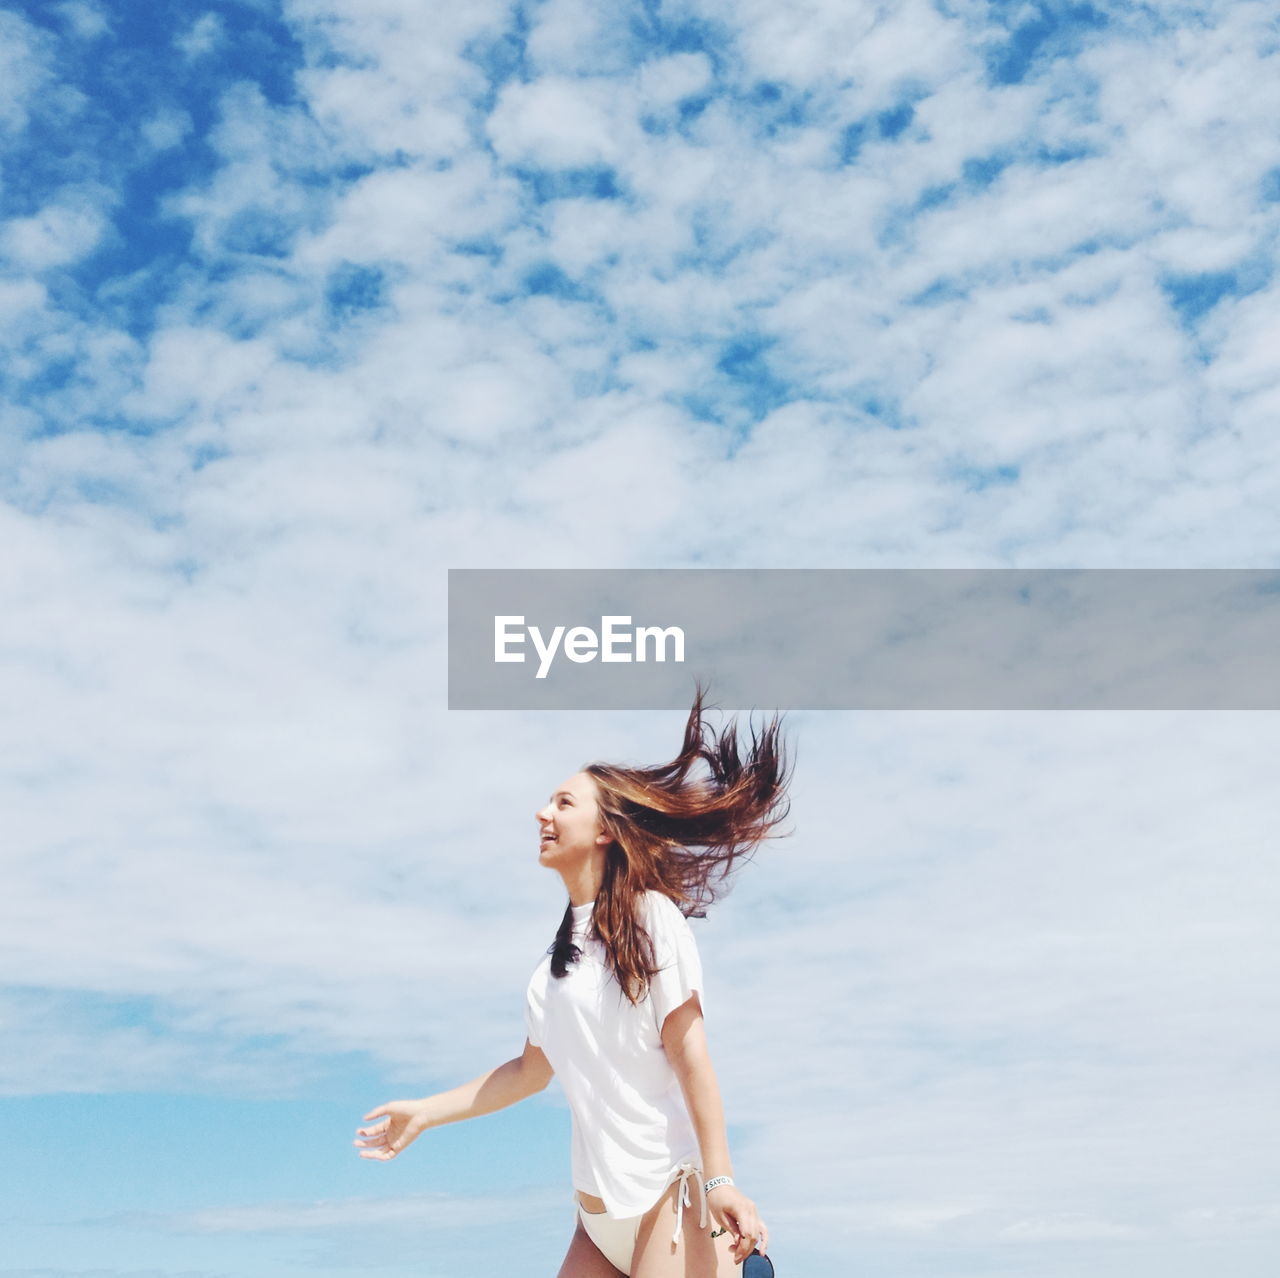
x=716, y=1180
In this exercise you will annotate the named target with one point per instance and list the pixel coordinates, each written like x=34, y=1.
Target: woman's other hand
x=403, y=1121
x=736, y=1212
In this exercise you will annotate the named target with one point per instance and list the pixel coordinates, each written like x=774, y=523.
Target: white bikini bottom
x=616, y=1237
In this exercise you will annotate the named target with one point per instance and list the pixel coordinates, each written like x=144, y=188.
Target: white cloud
x=201, y=366
x=881, y=48
x=1261, y=1217
x=24, y=69
x=557, y=123
x=421, y=1212
x=403, y=80
x=204, y=35
x=402, y=215
x=166, y=129
x=667, y=81
x=85, y=19
x=1072, y=1225
x=376, y=112
x=19, y=298
x=60, y=233
x=1246, y=337
x=578, y=37
x=265, y=193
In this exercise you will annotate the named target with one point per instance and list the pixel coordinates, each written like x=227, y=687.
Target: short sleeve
x=533, y=1019
x=675, y=955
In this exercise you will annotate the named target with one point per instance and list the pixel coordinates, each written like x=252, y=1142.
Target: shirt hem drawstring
x=683, y=1200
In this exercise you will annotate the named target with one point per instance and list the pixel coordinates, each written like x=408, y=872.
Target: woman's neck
x=583, y=882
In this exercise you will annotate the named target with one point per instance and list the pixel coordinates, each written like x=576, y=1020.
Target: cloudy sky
x=303, y=302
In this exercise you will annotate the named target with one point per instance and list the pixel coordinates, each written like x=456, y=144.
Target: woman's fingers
x=400, y=1127
x=738, y=1214
x=373, y=1142
x=749, y=1232
x=757, y=1238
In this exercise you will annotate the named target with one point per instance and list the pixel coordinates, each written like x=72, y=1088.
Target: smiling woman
x=615, y=1008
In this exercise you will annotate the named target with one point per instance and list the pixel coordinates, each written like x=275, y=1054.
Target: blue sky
x=303, y=303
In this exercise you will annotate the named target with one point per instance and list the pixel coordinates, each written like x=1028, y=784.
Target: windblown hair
x=679, y=834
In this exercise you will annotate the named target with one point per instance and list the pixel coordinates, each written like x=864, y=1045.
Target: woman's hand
x=736, y=1212
x=402, y=1123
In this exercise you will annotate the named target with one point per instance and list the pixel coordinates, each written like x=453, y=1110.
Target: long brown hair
x=678, y=834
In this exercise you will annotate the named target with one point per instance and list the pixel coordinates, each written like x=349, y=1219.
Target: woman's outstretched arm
x=684, y=1039
x=404, y=1121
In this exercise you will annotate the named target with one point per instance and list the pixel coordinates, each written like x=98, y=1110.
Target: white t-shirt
x=631, y=1127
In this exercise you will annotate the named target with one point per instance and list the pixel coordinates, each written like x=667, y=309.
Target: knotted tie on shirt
x=683, y=1200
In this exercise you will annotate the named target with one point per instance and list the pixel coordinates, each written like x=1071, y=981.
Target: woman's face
x=569, y=826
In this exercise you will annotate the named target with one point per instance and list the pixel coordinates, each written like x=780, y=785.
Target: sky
x=303, y=302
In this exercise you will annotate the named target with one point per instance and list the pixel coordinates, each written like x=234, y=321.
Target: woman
x=615, y=1008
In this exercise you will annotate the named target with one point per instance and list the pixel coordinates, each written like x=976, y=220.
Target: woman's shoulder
x=661, y=909
x=541, y=969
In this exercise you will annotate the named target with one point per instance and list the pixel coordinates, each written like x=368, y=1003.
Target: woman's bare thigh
x=696, y=1255
x=583, y=1259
